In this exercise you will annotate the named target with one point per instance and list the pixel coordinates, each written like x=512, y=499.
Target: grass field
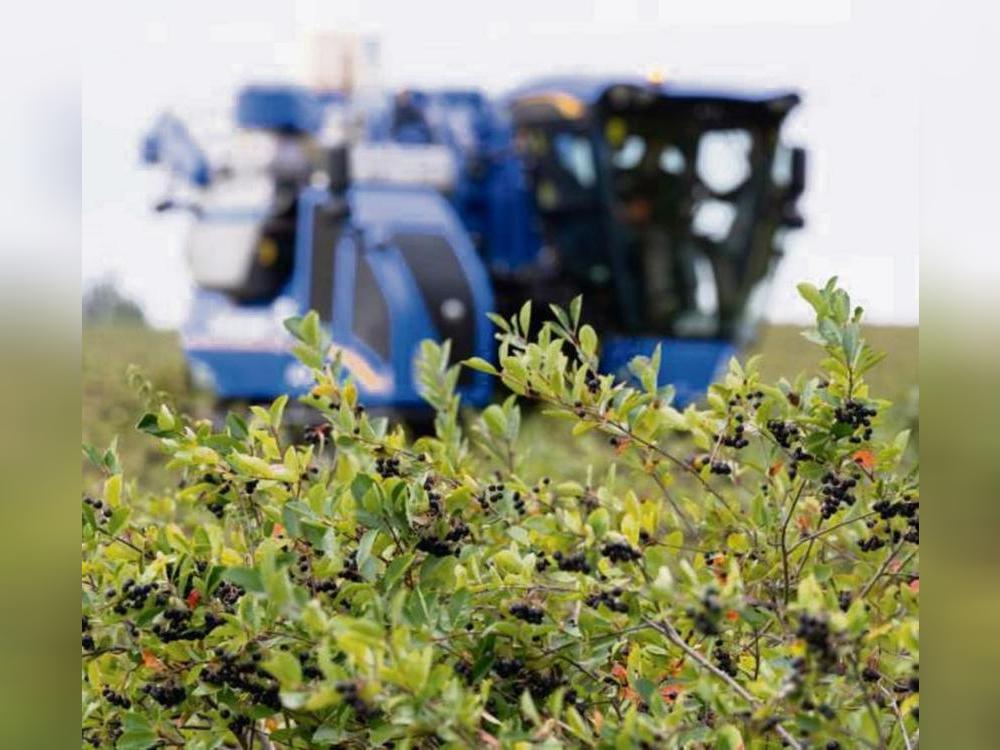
x=111, y=406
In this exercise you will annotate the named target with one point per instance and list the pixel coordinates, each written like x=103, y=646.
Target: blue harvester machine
x=414, y=214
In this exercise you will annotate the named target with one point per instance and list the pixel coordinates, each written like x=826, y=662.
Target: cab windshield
x=667, y=212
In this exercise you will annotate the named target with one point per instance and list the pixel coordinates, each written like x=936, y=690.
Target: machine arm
x=170, y=143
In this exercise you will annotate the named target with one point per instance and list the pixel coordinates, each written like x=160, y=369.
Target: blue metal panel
x=384, y=211
x=248, y=374
x=252, y=366
x=288, y=108
x=170, y=143
x=690, y=365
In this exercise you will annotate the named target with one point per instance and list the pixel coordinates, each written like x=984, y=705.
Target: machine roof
x=589, y=89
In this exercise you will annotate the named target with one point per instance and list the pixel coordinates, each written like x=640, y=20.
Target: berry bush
x=739, y=574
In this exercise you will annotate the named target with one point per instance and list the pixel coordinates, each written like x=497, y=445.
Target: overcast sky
x=854, y=63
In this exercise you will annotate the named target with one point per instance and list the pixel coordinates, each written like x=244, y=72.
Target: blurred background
x=856, y=68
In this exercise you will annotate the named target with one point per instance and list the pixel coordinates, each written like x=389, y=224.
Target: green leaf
x=236, y=426
x=729, y=738
x=524, y=318
x=138, y=733
x=529, y=710
x=499, y=322
x=284, y=667
x=480, y=364
x=574, y=309
x=588, y=340
x=495, y=420
x=738, y=543
x=812, y=295
x=248, y=578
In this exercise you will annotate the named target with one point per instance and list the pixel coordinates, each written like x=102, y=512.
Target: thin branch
x=784, y=537
x=673, y=503
x=829, y=529
x=899, y=717
x=667, y=629
x=881, y=571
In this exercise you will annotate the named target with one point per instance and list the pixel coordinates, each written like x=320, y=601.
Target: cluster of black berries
x=857, y=415
x=797, y=455
x=574, y=563
x=620, y=552
x=493, y=494
x=844, y=600
x=444, y=547
x=869, y=674
x=167, y=694
x=88, y=640
x=309, y=669
x=753, y=399
x=541, y=684
x=592, y=382
x=836, y=491
x=518, y=502
x=872, y=543
x=177, y=627
x=228, y=593
x=724, y=660
x=570, y=698
x=238, y=725
x=464, y=670
x=706, y=619
x=527, y=612
x=434, y=502
x=243, y=674
x=349, y=692
x=508, y=667
x=902, y=509
x=435, y=547
x=325, y=587
x=815, y=631
x=350, y=571
x=217, y=508
x=736, y=439
x=784, y=432
x=721, y=467
x=133, y=596
x=458, y=532
x=113, y=730
x=303, y=563
x=387, y=467
x=610, y=599
x=101, y=511
x=116, y=699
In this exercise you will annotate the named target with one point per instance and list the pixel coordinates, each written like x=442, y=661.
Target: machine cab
x=665, y=206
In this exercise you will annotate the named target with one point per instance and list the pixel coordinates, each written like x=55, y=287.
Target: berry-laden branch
x=665, y=627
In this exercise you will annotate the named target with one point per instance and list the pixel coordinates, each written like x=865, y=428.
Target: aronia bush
x=742, y=575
